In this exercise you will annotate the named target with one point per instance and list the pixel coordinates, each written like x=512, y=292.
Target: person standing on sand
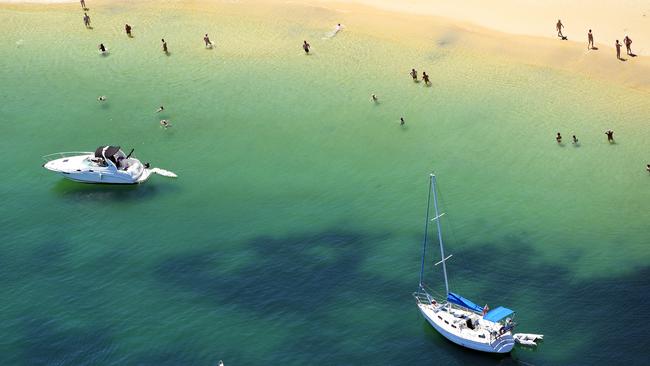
x=590, y=40
x=305, y=46
x=610, y=136
x=425, y=77
x=127, y=28
x=618, y=50
x=558, y=138
x=414, y=75
x=628, y=45
x=164, y=46
x=206, y=39
x=87, y=20
x=559, y=27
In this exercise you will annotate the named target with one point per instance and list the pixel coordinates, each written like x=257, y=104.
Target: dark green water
x=292, y=235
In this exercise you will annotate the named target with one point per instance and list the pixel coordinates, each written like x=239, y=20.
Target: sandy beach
x=507, y=29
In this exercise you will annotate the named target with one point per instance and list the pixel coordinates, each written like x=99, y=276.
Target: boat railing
x=67, y=154
x=424, y=295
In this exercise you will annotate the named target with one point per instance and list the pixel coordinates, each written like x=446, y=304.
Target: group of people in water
x=128, y=30
x=609, y=133
x=425, y=77
x=590, y=41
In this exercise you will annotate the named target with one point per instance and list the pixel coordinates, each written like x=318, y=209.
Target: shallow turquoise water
x=293, y=233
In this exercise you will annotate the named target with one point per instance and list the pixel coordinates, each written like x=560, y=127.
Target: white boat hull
x=81, y=167
x=502, y=344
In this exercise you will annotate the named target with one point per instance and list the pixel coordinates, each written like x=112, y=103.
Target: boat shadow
x=109, y=192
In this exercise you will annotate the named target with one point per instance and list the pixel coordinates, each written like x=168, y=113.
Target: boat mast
x=426, y=232
x=437, y=218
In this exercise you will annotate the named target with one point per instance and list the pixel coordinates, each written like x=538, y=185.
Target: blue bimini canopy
x=497, y=314
x=459, y=300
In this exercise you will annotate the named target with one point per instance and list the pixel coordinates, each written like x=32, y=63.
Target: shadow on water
x=447, y=39
x=111, y=192
x=48, y=343
x=285, y=273
x=316, y=286
x=302, y=281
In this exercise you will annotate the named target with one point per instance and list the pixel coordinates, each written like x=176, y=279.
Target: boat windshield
x=100, y=162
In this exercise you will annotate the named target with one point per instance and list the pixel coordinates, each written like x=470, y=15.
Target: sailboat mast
x=426, y=232
x=442, y=249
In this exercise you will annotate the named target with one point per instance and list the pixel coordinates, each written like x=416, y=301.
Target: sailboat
x=457, y=318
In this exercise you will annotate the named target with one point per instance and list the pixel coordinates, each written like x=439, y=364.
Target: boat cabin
x=110, y=154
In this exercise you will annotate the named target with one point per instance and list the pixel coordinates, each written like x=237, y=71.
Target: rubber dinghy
x=528, y=339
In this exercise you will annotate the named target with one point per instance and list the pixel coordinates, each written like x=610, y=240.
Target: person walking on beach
x=206, y=39
x=590, y=40
x=164, y=46
x=425, y=77
x=558, y=138
x=559, y=27
x=83, y=4
x=305, y=46
x=127, y=28
x=610, y=136
x=414, y=75
x=401, y=121
x=628, y=45
x=87, y=20
x=618, y=50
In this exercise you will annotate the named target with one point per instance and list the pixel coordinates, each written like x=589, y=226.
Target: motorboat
x=107, y=165
x=457, y=318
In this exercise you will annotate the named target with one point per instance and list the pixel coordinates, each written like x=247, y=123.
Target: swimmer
x=610, y=136
x=127, y=28
x=373, y=98
x=425, y=77
x=575, y=140
x=206, y=39
x=101, y=98
x=647, y=167
x=305, y=46
x=165, y=123
x=102, y=48
x=164, y=46
x=414, y=75
x=558, y=138
x=160, y=109
x=401, y=121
